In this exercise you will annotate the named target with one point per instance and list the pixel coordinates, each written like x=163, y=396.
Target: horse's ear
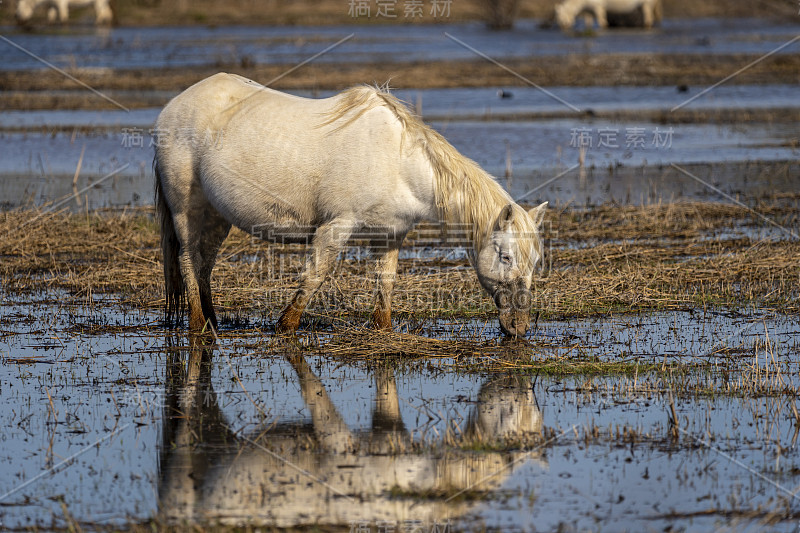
x=505, y=218
x=537, y=214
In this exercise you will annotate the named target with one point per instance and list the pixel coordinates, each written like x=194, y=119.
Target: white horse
x=568, y=10
x=356, y=162
x=59, y=9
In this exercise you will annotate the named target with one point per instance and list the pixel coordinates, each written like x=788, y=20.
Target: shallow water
x=542, y=144
x=148, y=430
x=161, y=47
x=42, y=149
x=519, y=104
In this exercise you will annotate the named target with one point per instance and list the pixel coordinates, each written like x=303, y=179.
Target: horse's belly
x=255, y=204
x=622, y=6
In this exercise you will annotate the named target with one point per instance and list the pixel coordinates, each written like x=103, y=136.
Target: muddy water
x=198, y=46
x=107, y=419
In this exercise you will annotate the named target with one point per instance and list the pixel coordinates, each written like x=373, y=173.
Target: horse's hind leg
x=200, y=230
x=600, y=16
x=214, y=229
x=63, y=10
x=189, y=260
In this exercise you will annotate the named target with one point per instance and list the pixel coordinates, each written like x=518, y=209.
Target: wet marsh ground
x=657, y=390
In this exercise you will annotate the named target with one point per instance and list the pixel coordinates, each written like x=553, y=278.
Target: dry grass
x=602, y=260
x=470, y=352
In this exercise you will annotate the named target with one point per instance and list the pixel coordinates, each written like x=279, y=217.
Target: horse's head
x=505, y=263
x=24, y=10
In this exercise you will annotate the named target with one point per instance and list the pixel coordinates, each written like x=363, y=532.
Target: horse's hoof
x=382, y=326
x=289, y=321
x=198, y=324
x=382, y=319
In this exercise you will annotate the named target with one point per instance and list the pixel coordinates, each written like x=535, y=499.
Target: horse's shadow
x=290, y=474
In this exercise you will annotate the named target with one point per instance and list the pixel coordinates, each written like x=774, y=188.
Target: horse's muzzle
x=514, y=324
x=514, y=305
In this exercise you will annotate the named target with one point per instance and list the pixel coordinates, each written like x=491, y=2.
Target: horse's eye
x=505, y=258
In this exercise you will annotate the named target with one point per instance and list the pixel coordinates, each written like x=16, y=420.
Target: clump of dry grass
x=601, y=260
x=467, y=353
x=368, y=344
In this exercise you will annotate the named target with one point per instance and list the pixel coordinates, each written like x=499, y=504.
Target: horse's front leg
x=329, y=240
x=648, y=15
x=386, y=270
x=600, y=16
x=63, y=10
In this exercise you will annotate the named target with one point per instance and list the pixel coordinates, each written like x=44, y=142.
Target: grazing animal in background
x=568, y=10
x=296, y=169
x=59, y=9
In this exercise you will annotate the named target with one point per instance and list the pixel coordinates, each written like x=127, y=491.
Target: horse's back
x=206, y=100
x=625, y=6
x=261, y=156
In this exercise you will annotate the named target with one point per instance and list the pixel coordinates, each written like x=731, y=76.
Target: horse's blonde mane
x=464, y=192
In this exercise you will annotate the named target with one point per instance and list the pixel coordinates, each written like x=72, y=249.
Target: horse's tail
x=170, y=249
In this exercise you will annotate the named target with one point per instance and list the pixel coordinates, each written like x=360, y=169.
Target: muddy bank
x=34, y=90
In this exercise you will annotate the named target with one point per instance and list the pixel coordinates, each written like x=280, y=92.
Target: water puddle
x=109, y=419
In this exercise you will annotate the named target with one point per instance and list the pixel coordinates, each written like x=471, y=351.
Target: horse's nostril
x=522, y=300
x=502, y=299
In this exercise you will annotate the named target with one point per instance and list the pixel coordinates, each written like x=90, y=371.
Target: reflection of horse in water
x=292, y=474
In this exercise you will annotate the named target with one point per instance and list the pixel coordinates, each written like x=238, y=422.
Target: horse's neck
x=474, y=205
